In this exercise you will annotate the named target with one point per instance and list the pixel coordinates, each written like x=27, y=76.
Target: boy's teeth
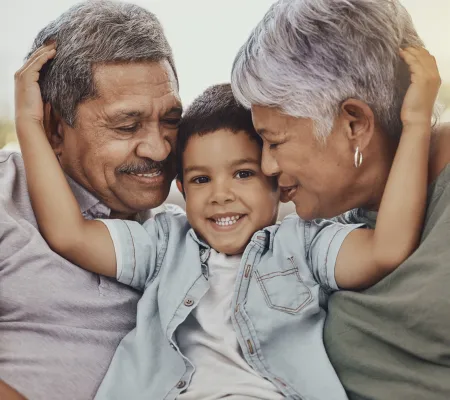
x=227, y=220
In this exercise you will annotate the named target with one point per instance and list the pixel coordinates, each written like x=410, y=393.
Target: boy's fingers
x=44, y=48
x=423, y=56
x=417, y=51
x=37, y=64
x=409, y=58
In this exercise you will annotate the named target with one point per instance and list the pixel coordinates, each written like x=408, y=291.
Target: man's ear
x=53, y=129
x=181, y=188
x=359, y=122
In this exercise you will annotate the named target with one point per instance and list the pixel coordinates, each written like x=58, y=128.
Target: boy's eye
x=244, y=174
x=201, y=179
x=128, y=128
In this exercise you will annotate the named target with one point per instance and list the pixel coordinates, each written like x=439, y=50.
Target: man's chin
x=134, y=201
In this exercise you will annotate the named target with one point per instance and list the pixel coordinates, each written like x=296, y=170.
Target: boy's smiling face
x=228, y=198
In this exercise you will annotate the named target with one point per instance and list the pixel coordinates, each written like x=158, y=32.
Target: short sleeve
x=136, y=250
x=325, y=240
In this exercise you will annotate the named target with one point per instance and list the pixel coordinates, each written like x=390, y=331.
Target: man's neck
x=119, y=215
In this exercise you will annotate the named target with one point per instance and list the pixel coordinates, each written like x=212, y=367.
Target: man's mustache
x=145, y=167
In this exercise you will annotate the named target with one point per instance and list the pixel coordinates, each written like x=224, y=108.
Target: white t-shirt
x=208, y=339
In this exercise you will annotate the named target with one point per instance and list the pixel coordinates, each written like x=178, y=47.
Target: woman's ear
x=359, y=122
x=53, y=129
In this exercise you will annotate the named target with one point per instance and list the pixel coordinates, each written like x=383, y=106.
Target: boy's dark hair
x=216, y=108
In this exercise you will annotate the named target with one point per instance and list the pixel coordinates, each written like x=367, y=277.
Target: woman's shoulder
x=440, y=151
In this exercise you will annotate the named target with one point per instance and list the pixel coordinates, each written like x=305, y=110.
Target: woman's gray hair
x=308, y=56
x=95, y=33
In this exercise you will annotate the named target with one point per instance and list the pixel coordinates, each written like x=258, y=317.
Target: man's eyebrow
x=121, y=115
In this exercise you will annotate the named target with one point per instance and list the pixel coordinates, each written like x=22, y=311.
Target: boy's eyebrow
x=233, y=164
x=194, y=168
x=241, y=161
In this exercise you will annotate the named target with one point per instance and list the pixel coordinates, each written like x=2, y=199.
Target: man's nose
x=154, y=146
x=269, y=165
x=222, y=193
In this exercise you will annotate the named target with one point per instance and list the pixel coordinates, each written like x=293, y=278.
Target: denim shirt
x=279, y=300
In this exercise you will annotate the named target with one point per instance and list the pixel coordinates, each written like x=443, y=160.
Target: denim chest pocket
x=284, y=289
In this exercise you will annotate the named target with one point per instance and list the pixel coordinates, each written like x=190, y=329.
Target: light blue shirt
x=279, y=300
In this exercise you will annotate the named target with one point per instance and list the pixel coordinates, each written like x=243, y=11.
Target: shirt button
x=188, y=302
x=181, y=384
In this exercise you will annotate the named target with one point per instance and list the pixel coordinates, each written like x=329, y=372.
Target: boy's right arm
x=83, y=242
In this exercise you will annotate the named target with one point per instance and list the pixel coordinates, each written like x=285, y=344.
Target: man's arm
x=8, y=393
x=85, y=243
x=366, y=256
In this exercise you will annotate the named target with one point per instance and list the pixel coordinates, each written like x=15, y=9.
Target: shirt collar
x=92, y=208
x=87, y=201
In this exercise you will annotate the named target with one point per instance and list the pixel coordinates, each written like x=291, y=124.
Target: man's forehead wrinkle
x=118, y=78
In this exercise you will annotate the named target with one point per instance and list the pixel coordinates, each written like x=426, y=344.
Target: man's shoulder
x=12, y=175
x=9, y=158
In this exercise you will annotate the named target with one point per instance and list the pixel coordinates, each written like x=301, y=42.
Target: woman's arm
x=85, y=243
x=440, y=151
x=367, y=255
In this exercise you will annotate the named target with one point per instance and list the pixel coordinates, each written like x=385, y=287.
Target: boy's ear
x=180, y=187
x=53, y=129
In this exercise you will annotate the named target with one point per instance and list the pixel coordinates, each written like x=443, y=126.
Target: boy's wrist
x=26, y=122
x=419, y=126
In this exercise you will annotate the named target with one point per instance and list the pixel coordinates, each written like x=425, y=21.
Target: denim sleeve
x=135, y=246
x=325, y=238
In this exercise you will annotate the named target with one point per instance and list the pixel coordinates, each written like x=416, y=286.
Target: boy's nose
x=222, y=194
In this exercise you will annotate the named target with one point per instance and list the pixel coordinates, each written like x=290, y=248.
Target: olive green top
x=392, y=341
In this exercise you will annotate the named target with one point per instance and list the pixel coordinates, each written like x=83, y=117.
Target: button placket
x=188, y=302
x=181, y=384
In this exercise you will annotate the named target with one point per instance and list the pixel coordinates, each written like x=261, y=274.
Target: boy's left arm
x=366, y=255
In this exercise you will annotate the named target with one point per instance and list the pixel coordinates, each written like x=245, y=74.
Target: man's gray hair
x=95, y=33
x=308, y=56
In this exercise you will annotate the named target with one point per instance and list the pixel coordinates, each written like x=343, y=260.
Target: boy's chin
x=229, y=249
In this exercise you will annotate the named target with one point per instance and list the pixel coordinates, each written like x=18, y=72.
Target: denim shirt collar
x=263, y=238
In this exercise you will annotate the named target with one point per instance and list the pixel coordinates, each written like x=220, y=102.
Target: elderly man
x=111, y=114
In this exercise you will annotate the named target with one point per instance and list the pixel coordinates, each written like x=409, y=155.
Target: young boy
x=232, y=305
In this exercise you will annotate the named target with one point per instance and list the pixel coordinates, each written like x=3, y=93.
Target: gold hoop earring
x=358, y=158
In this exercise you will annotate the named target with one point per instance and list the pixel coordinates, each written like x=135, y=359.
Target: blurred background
x=205, y=36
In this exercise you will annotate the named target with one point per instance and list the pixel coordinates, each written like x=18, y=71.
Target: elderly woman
x=325, y=84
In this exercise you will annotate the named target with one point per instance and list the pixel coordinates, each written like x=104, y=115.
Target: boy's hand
x=419, y=100
x=28, y=100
